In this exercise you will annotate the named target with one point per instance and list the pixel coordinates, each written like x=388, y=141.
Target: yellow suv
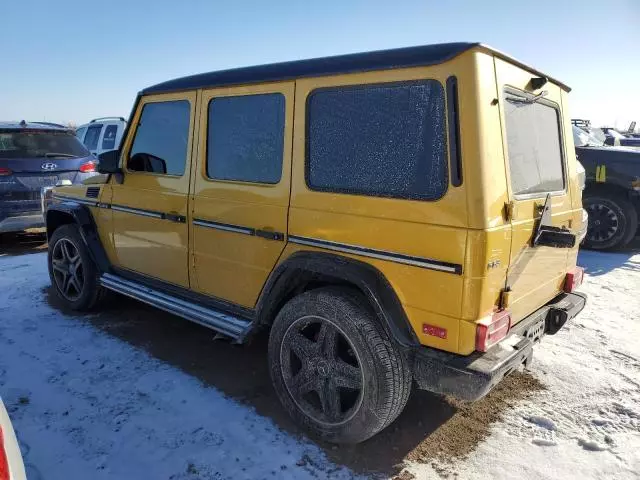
x=394, y=217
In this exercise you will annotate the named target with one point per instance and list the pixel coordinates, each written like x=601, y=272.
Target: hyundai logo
x=49, y=166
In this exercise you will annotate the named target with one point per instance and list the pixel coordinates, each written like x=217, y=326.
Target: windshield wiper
x=527, y=100
x=64, y=155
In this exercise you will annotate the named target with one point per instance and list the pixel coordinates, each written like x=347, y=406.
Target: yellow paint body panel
x=536, y=274
x=469, y=226
x=229, y=265
x=146, y=245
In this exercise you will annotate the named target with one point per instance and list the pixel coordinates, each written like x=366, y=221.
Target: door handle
x=269, y=234
x=174, y=217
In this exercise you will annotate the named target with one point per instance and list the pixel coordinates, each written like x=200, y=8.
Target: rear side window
x=246, y=138
x=109, y=138
x=386, y=140
x=80, y=133
x=160, y=144
x=533, y=145
x=92, y=136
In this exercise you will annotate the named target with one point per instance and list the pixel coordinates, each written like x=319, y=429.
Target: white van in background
x=101, y=134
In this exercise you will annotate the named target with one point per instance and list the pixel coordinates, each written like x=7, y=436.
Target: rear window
x=36, y=144
x=533, y=145
x=92, y=136
x=80, y=133
x=384, y=140
x=109, y=138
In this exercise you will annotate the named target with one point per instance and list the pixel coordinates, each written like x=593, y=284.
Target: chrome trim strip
x=222, y=322
x=227, y=227
x=77, y=200
x=224, y=226
x=136, y=211
x=378, y=254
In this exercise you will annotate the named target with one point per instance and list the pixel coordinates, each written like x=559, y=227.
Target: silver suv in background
x=101, y=134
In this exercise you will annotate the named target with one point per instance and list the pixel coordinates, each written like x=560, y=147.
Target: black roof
x=317, y=67
x=419, y=56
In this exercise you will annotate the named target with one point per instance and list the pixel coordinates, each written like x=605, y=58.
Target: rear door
x=536, y=165
x=241, y=189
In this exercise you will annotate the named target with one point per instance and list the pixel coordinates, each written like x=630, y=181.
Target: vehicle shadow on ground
x=23, y=243
x=430, y=426
x=598, y=263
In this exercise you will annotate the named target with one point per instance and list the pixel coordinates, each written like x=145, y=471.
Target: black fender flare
x=68, y=211
x=282, y=283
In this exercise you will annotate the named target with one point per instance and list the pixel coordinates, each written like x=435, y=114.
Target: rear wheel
x=613, y=221
x=334, y=367
x=74, y=276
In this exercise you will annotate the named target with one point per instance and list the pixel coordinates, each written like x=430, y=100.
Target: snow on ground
x=587, y=423
x=88, y=405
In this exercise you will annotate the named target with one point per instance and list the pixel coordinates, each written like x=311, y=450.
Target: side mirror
x=108, y=162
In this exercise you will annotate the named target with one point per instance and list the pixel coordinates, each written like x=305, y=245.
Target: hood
x=607, y=154
x=621, y=165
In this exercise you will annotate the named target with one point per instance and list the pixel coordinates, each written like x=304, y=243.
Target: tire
x=613, y=221
x=308, y=373
x=68, y=253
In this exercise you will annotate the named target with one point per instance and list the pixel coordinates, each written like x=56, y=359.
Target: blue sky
x=69, y=60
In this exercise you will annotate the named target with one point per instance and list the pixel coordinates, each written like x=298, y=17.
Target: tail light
x=490, y=330
x=4, y=464
x=573, y=279
x=90, y=166
x=5, y=171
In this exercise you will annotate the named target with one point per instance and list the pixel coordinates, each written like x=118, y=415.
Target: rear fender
x=306, y=270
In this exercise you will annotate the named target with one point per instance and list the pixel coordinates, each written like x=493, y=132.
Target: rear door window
x=160, y=144
x=383, y=140
x=92, y=137
x=534, y=145
x=109, y=138
x=246, y=138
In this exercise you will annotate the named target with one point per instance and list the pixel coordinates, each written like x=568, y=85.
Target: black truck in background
x=612, y=191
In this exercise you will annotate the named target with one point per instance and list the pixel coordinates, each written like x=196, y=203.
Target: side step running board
x=229, y=325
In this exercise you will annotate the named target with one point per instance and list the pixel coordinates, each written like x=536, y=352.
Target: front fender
x=63, y=212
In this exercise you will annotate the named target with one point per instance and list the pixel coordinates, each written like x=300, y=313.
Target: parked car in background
x=385, y=244
x=612, y=191
x=615, y=138
x=101, y=134
x=11, y=464
x=34, y=155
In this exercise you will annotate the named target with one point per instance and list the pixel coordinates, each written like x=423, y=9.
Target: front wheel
x=74, y=275
x=334, y=367
x=613, y=221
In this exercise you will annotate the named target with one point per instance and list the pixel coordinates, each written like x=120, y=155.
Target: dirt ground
x=430, y=427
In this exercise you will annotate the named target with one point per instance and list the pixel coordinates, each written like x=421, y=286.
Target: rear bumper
x=472, y=377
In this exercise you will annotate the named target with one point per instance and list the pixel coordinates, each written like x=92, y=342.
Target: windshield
x=36, y=144
x=585, y=139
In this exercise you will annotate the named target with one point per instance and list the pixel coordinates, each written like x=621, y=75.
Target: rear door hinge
x=505, y=295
